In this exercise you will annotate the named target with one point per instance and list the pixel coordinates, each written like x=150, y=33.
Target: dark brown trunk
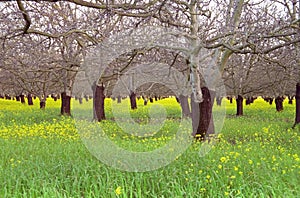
x=279, y=103
x=185, y=108
x=42, y=104
x=145, y=101
x=18, y=98
x=29, y=99
x=271, y=101
x=297, y=116
x=155, y=97
x=22, y=97
x=98, y=102
x=290, y=99
x=151, y=100
x=239, y=105
x=230, y=99
x=132, y=97
x=65, y=108
x=202, y=118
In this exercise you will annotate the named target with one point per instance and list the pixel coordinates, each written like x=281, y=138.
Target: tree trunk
x=239, y=105
x=185, y=108
x=86, y=98
x=98, y=102
x=279, y=103
x=297, y=116
x=145, y=101
x=151, y=100
x=18, y=98
x=42, y=103
x=29, y=99
x=133, y=100
x=290, y=99
x=65, y=108
x=22, y=97
x=202, y=118
x=80, y=99
x=119, y=99
x=219, y=101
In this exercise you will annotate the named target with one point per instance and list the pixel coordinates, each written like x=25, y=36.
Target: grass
x=42, y=154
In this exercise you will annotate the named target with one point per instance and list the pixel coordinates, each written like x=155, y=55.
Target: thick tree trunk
x=18, y=98
x=279, y=103
x=98, y=102
x=239, y=105
x=132, y=97
x=185, y=108
x=22, y=97
x=202, y=118
x=29, y=99
x=297, y=116
x=65, y=108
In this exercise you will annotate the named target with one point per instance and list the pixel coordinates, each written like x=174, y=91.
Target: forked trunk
x=133, y=100
x=65, y=104
x=185, y=108
x=29, y=98
x=202, y=118
x=239, y=105
x=279, y=103
x=98, y=102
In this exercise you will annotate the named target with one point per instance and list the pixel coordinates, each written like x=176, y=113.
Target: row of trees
x=254, y=45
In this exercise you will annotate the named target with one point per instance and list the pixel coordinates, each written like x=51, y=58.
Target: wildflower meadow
x=42, y=155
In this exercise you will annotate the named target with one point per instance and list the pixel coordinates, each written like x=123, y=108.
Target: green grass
x=42, y=155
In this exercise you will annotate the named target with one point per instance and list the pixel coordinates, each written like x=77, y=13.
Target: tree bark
x=151, y=100
x=202, y=118
x=65, y=104
x=297, y=116
x=132, y=97
x=18, y=98
x=279, y=103
x=98, y=102
x=239, y=105
x=22, y=97
x=29, y=99
x=185, y=108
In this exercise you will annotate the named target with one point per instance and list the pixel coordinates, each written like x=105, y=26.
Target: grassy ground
x=42, y=155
